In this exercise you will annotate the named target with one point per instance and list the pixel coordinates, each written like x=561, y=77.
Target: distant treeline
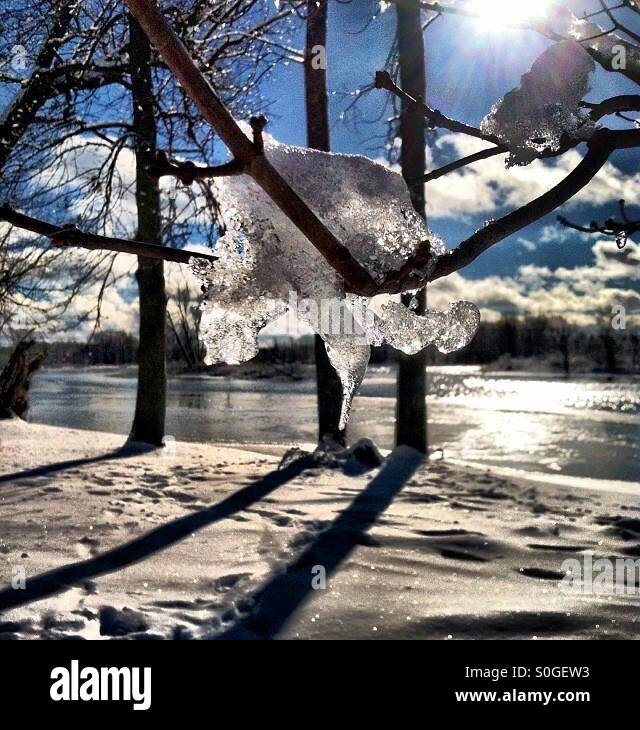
x=515, y=343
x=552, y=343
x=509, y=343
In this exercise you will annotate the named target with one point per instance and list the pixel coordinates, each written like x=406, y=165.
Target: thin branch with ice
x=70, y=236
x=618, y=229
x=436, y=118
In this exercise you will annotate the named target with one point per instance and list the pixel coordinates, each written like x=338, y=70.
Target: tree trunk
x=411, y=406
x=149, y=419
x=15, y=380
x=317, y=102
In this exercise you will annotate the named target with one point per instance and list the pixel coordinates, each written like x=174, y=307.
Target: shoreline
x=275, y=449
x=209, y=541
x=307, y=371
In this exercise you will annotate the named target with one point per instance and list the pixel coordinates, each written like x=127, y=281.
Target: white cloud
x=581, y=295
x=527, y=244
x=119, y=309
x=487, y=187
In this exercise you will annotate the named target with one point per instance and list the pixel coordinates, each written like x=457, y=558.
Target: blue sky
x=469, y=68
x=543, y=269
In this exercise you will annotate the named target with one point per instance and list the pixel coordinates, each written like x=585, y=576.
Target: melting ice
x=545, y=106
x=264, y=258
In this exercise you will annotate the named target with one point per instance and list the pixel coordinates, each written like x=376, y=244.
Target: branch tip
x=383, y=80
x=257, y=126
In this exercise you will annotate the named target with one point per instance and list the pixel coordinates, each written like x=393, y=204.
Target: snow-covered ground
x=215, y=541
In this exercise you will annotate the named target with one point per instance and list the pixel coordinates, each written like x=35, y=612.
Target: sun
x=496, y=13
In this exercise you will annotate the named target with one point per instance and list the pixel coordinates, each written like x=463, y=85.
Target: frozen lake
x=584, y=427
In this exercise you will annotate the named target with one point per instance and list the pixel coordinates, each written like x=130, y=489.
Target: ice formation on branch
x=545, y=106
x=614, y=50
x=264, y=259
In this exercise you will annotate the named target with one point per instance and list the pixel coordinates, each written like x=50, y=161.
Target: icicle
x=448, y=331
x=267, y=266
x=350, y=359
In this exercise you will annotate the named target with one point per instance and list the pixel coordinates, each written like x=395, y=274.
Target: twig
x=620, y=230
x=63, y=236
x=383, y=80
x=463, y=162
x=187, y=172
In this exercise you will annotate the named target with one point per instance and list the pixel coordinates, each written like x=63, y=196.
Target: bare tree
x=563, y=341
x=248, y=155
x=329, y=387
x=37, y=282
x=149, y=417
x=411, y=403
x=184, y=325
x=146, y=107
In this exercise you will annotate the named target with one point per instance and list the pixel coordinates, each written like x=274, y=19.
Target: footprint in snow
x=541, y=573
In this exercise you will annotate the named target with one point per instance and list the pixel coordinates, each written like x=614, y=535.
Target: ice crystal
x=264, y=260
x=535, y=116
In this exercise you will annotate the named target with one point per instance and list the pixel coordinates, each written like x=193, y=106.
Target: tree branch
x=35, y=91
x=620, y=230
x=383, y=80
x=187, y=172
x=63, y=236
x=177, y=58
x=463, y=162
x=614, y=105
x=468, y=251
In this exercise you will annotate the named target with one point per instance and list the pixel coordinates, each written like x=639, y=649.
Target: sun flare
x=494, y=13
